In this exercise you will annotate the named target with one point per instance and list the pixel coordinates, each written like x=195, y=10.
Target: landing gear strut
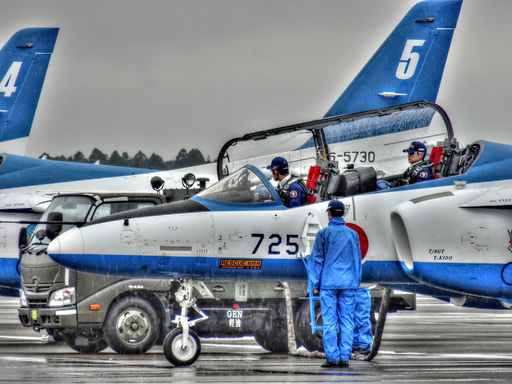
x=182, y=345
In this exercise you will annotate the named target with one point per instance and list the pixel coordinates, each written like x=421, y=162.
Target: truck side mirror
x=22, y=238
x=53, y=229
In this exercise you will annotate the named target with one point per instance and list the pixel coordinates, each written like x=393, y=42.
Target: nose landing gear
x=182, y=345
x=180, y=349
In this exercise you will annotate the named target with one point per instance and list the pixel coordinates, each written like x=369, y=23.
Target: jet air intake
x=445, y=242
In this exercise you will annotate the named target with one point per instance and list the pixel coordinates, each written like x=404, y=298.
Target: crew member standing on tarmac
x=363, y=336
x=335, y=271
x=421, y=169
x=291, y=189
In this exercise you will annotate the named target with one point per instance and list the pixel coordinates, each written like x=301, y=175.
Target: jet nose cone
x=54, y=247
x=63, y=248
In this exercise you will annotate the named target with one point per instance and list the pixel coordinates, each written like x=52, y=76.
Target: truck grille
x=38, y=287
x=37, y=303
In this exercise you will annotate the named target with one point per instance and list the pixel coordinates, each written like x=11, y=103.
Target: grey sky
x=160, y=75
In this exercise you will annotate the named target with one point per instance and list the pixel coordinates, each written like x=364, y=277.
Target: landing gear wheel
x=93, y=346
x=132, y=326
x=312, y=342
x=174, y=351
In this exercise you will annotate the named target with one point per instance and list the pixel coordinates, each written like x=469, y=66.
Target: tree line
x=184, y=158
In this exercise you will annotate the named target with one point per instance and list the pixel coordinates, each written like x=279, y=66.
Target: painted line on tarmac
x=24, y=359
x=460, y=356
x=27, y=338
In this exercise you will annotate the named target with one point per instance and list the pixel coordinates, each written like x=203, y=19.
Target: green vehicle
x=73, y=306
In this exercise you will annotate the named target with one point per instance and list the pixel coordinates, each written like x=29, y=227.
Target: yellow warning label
x=239, y=264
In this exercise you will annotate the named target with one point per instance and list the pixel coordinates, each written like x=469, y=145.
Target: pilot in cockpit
x=421, y=168
x=291, y=189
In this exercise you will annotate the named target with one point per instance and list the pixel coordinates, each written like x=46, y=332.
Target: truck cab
x=72, y=305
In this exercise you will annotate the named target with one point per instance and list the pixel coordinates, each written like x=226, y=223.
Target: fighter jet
x=448, y=236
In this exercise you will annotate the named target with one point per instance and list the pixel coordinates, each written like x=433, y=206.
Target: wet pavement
x=436, y=343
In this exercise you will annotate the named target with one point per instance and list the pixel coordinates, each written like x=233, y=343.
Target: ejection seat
x=435, y=156
x=353, y=182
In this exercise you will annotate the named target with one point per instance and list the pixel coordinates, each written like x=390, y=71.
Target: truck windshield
x=77, y=209
x=73, y=209
x=109, y=208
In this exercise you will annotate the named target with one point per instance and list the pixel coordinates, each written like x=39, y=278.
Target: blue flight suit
x=363, y=337
x=297, y=195
x=335, y=269
x=421, y=171
x=292, y=193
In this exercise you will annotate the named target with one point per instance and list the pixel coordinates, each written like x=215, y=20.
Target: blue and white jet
x=448, y=237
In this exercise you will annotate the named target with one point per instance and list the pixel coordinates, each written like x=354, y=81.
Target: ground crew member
x=291, y=189
x=421, y=169
x=363, y=336
x=335, y=271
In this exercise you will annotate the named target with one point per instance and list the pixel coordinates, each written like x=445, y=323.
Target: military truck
x=72, y=306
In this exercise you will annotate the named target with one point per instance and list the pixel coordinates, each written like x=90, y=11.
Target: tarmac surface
x=436, y=343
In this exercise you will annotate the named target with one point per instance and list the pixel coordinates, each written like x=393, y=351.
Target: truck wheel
x=174, y=351
x=93, y=346
x=132, y=326
x=272, y=341
x=273, y=336
x=312, y=342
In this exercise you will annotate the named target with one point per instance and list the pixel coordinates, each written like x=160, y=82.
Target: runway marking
x=28, y=338
x=459, y=356
x=24, y=359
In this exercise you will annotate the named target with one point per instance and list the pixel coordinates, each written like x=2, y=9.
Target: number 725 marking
x=292, y=247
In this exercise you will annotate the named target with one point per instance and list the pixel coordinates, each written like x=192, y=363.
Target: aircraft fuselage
x=451, y=233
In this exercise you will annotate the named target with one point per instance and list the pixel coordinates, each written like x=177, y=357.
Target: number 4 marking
x=409, y=60
x=9, y=80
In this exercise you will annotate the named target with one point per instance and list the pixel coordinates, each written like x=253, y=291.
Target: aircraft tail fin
x=24, y=60
x=409, y=65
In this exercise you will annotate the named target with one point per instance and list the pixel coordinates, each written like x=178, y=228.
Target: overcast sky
x=161, y=75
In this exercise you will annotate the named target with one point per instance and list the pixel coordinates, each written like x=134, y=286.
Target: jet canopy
x=372, y=138
x=320, y=150
x=246, y=185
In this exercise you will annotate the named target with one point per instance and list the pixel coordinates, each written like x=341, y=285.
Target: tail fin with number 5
x=409, y=65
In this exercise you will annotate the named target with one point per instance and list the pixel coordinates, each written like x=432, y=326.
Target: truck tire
x=173, y=347
x=312, y=342
x=132, y=326
x=93, y=346
x=273, y=336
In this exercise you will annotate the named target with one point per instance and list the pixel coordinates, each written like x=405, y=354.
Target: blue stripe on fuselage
x=217, y=206
x=209, y=267
x=475, y=279
x=19, y=171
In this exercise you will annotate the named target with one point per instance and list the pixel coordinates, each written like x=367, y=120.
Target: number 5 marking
x=409, y=60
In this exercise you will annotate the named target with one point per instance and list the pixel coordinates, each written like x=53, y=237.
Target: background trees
x=183, y=159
